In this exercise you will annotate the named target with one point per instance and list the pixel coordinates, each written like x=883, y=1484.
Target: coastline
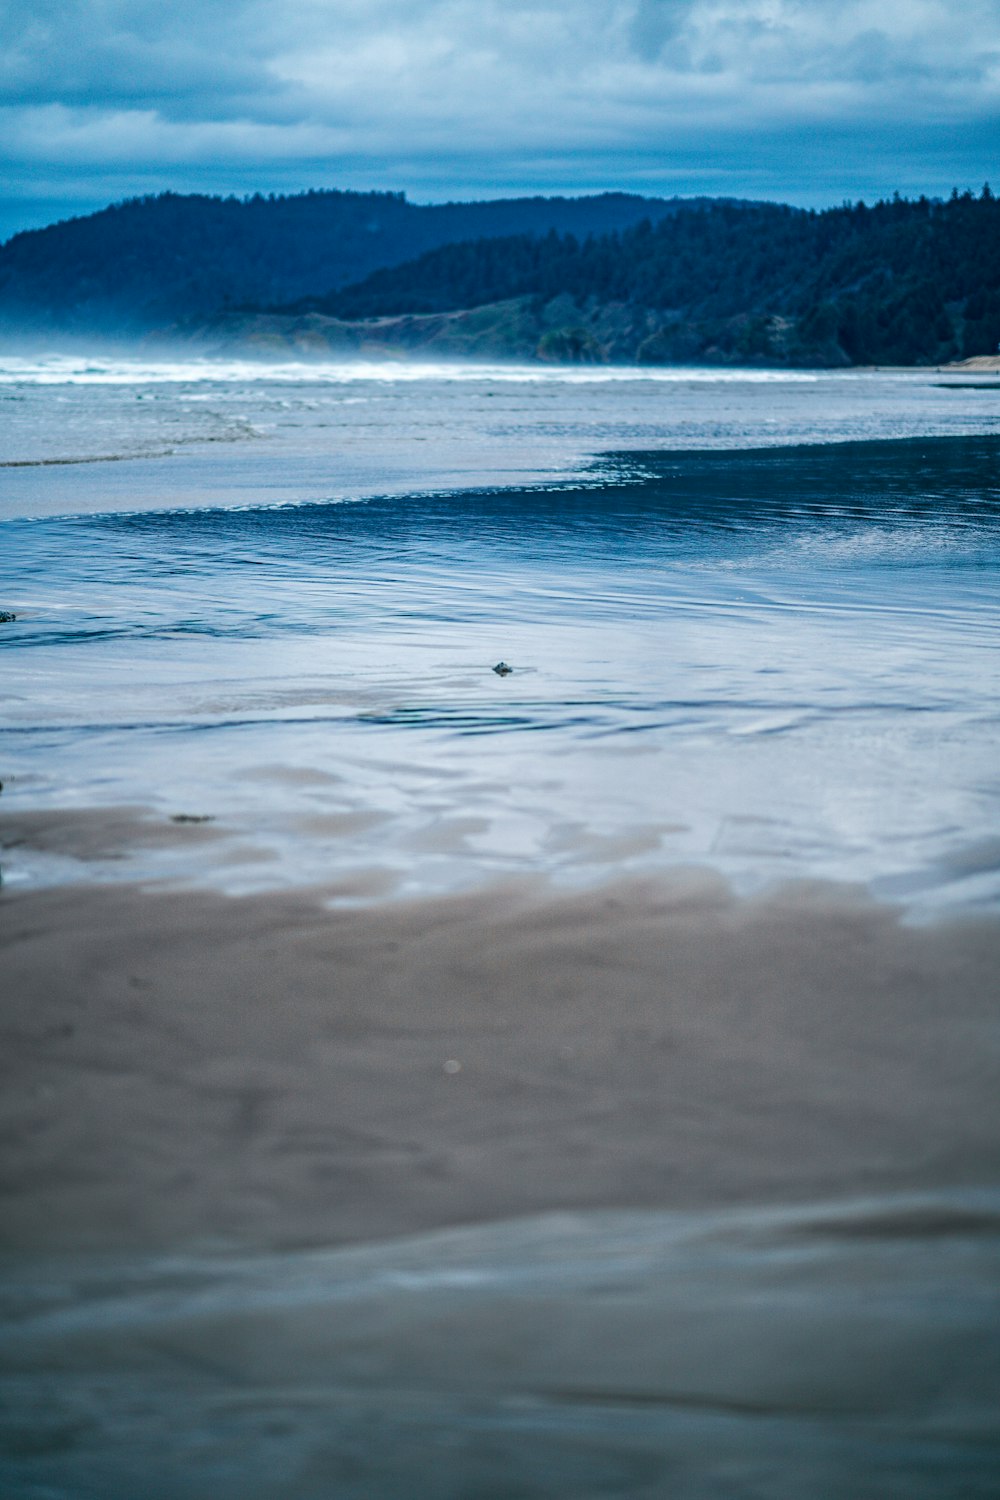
x=334, y=1186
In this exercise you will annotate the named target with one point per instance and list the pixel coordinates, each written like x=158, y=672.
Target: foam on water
x=64, y=369
x=121, y=435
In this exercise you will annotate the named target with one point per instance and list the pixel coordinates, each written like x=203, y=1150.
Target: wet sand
x=183, y=1069
x=523, y=1195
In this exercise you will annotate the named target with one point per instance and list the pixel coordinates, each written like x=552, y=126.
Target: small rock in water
x=502, y=669
x=6, y=616
x=191, y=818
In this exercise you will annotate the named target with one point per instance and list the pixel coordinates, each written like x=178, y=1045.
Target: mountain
x=151, y=263
x=613, y=277
x=903, y=282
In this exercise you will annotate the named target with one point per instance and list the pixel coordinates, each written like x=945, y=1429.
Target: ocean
x=430, y=1082
x=751, y=620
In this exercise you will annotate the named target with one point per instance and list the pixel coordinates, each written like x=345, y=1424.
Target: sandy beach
x=642, y=1190
x=183, y=1068
x=424, y=1083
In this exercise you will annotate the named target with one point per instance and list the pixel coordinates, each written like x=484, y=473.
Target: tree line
x=901, y=282
x=158, y=261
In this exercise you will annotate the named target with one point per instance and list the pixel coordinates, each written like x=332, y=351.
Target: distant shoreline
x=984, y=362
x=520, y=330
x=283, y=347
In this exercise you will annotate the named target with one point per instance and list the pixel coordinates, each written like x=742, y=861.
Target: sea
x=750, y=619
x=405, y=629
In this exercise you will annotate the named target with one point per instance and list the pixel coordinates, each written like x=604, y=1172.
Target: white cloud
x=558, y=93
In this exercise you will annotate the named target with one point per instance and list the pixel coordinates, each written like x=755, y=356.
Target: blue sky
x=810, y=101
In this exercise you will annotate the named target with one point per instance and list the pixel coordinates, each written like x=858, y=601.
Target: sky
x=804, y=101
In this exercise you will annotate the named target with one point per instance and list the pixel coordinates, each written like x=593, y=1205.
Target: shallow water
x=776, y=660
x=79, y=436
x=832, y=1349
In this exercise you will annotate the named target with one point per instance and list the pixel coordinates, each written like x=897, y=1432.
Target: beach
x=649, y=1187
x=268, y=1073
x=429, y=1083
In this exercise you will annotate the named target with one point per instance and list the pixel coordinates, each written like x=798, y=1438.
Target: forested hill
x=154, y=262
x=903, y=282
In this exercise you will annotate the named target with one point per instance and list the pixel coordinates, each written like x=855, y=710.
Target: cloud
x=455, y=95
